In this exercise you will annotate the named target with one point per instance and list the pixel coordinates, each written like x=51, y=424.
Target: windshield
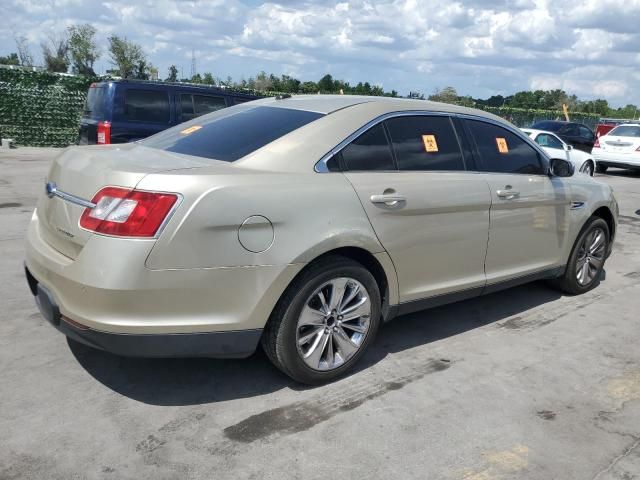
x=231, y=133
x=626, y=131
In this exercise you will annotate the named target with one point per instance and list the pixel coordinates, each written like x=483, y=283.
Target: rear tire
x=587, y=258
x=324, y=322
x=601, y=168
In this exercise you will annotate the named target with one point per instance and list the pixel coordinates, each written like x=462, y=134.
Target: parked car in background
x=605, y=125
x=122, y=111
x=556, y=148
x=575, y=134
x=620, y=148
x=302, y=224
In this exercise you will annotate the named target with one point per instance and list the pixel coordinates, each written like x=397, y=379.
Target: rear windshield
x=94, y=106
x=626, y=131
x=231, y=134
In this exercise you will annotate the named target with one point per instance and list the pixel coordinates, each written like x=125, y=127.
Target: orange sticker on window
x=190, y=130
x=430, y=144
x=502, y=145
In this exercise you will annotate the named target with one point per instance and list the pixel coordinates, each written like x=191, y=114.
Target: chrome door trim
x=321, y=165
x=52, y=191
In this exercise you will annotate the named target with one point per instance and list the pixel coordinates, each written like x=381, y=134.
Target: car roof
x=536, y=131
x=328, y=104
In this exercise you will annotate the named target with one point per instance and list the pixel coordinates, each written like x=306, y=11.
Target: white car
x=557, y=148
x=619, y=148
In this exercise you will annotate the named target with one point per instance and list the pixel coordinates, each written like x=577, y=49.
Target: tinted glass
x=207, y=104
x=231, y=134
x=94, y=106
x=370, y=151
x=549, y=141
x=547, y=125
x=146, y=106
x=626, y=131
x=586, y=133
x=571, y=130
x=502, y=151
x=186, y=106
x=425, y=143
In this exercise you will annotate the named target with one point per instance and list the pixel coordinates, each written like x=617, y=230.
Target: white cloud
x=482, y=47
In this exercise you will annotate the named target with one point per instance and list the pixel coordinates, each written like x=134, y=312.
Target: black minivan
x=121, y=111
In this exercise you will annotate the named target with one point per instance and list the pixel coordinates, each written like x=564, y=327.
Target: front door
x=430, y=214
x=529, y=212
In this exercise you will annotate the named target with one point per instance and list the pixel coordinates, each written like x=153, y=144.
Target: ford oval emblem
x=51, y=188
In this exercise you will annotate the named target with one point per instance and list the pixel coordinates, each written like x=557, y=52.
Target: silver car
x=302, y=223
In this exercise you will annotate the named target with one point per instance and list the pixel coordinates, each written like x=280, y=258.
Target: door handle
x=389, y=199
x=508, y=194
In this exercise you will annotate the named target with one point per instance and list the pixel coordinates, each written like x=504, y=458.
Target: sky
x=590, y=48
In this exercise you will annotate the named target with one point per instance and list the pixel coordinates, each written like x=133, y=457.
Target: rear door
x=430, y=214
x=529, y=212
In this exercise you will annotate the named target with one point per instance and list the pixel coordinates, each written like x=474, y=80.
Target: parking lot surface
x=522, y=384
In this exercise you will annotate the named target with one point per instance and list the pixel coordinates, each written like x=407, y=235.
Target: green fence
x=43, y=109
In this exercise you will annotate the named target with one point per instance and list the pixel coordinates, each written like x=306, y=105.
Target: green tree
x=11, y=59
x=56, y=52
x=207, y=79
x=326, y=84
x=83, y=49
x=173, y=74
x=446, y=95
x=128, y=57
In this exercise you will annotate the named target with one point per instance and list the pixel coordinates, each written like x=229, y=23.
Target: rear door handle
x=388, y=199
x=508, y=194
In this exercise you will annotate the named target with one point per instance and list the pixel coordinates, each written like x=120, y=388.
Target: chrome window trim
x=321, y=165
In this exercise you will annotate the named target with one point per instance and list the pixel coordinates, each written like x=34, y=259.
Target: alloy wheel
x=590, y=256
x=333, y=323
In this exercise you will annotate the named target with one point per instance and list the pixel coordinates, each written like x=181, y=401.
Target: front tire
x=587, y=168
x=587, y=258
x=324, y=322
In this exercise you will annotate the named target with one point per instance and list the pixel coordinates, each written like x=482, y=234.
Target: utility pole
x=193, y=63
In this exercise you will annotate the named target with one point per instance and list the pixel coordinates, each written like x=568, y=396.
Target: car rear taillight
x=597, y=143
x=104, y=133
x=127, y=213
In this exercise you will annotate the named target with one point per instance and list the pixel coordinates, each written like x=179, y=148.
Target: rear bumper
x=617, y=160
x=228, y=344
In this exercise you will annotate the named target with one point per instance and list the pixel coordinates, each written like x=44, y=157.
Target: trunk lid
x=617, y=144
x=82, y=171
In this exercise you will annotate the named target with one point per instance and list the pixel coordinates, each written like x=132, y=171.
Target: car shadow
x=200, y=380
x=619, y=172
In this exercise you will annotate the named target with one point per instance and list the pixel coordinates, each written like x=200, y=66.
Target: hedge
x=39, y=108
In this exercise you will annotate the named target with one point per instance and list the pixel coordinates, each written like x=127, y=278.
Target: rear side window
x=149, y=106
x=231, y=134
x=94, y=106
x=370, y=151
x=205, y=104
x=502, y=151
x=425, y=143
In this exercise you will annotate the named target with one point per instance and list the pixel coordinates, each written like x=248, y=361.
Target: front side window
x=502, y=151
x=425, y=143
x=150, y=106
x=585, y=133
x=549, y=141
x=370, y=151
x=231, y=134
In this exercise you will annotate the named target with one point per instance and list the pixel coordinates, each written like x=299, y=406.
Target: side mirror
x=569, y=147
x=561, y=168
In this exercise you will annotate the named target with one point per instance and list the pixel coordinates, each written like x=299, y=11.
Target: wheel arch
x=605, y=213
